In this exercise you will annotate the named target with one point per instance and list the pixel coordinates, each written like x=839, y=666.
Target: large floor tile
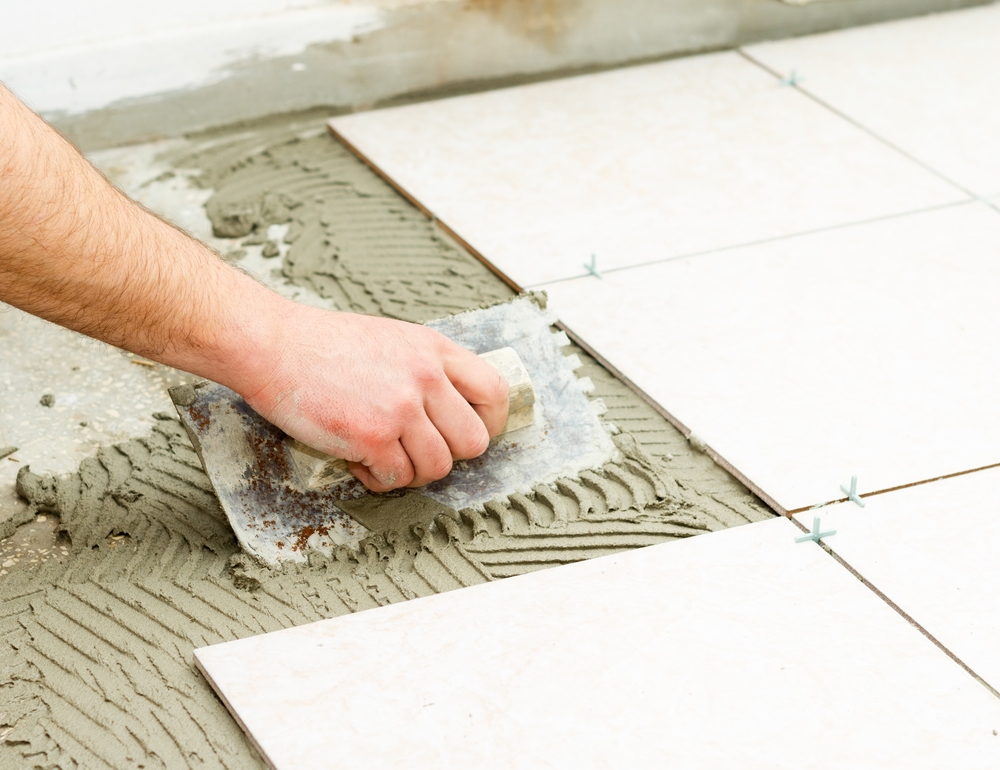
x=865, y=350
x=927, y=85
x=932, y=550
x=735, y=649
x=636, y=165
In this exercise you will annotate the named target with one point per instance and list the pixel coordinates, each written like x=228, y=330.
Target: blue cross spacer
x=792, y=79
x=592, y=267
x=852, y=493
x=815, y=535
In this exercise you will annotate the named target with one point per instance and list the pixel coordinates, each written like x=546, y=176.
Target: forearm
x=76, y=251
x=397, y=400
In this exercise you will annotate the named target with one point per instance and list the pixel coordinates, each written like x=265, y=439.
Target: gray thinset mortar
x=95, y=659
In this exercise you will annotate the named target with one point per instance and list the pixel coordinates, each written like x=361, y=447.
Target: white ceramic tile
x=636, y=165
x=735, y=649
x=862, y=350
x=929, y=85
x=932, y=549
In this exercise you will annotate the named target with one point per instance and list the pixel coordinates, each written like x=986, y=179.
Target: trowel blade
x=278, y=518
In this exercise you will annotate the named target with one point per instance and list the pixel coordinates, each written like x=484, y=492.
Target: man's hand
x=397, y=400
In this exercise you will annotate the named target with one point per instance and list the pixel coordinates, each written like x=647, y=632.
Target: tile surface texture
x=932, y=550
x=860, y=350
x=636, y=165
x=928, y=85
x=664, y=655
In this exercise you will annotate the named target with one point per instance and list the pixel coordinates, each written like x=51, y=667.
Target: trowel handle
x=521, y=394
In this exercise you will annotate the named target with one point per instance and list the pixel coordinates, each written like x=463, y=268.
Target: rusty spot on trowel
x=200, y=416
x=303, y=535
x=261, y=493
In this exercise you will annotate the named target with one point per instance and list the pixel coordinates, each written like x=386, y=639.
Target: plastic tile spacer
x=792, y=79
x=852, y=493
x=815, y=535
x=591, y=267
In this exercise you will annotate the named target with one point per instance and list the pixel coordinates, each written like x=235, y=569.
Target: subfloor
x=125, y=563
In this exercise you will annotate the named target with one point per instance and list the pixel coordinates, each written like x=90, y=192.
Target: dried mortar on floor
x=95, y=659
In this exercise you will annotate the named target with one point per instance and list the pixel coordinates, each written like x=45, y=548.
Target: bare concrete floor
x=62, y=396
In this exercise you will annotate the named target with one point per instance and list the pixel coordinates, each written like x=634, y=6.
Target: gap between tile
x=777, y=239
x=728, y=466
x=896, y=488
x=519, y=288
x=899, y=610
x=861, y=126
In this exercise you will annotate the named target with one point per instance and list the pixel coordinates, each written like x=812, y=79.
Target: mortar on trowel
x=284, y=499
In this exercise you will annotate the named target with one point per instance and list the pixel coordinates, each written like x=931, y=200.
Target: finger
x=389, y=469
x=481, y=385
x=458, y=422
x=427, y=450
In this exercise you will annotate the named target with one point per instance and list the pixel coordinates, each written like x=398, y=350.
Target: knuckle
x=409, y=408
x=432, y=338
x=377, y=435
x=427, y=376
x=367, y=446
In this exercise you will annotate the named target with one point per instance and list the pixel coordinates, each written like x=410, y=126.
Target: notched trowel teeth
x=282, y=497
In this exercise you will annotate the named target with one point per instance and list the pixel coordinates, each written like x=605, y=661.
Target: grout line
x=777, y=238
x=857, y=124
x=909, y=484
x=902, y=613
x=520, y=289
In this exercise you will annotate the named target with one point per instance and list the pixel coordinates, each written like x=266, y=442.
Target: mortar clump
x=235, y=218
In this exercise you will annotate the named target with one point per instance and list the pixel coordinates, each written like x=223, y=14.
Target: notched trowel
x=282, y=498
